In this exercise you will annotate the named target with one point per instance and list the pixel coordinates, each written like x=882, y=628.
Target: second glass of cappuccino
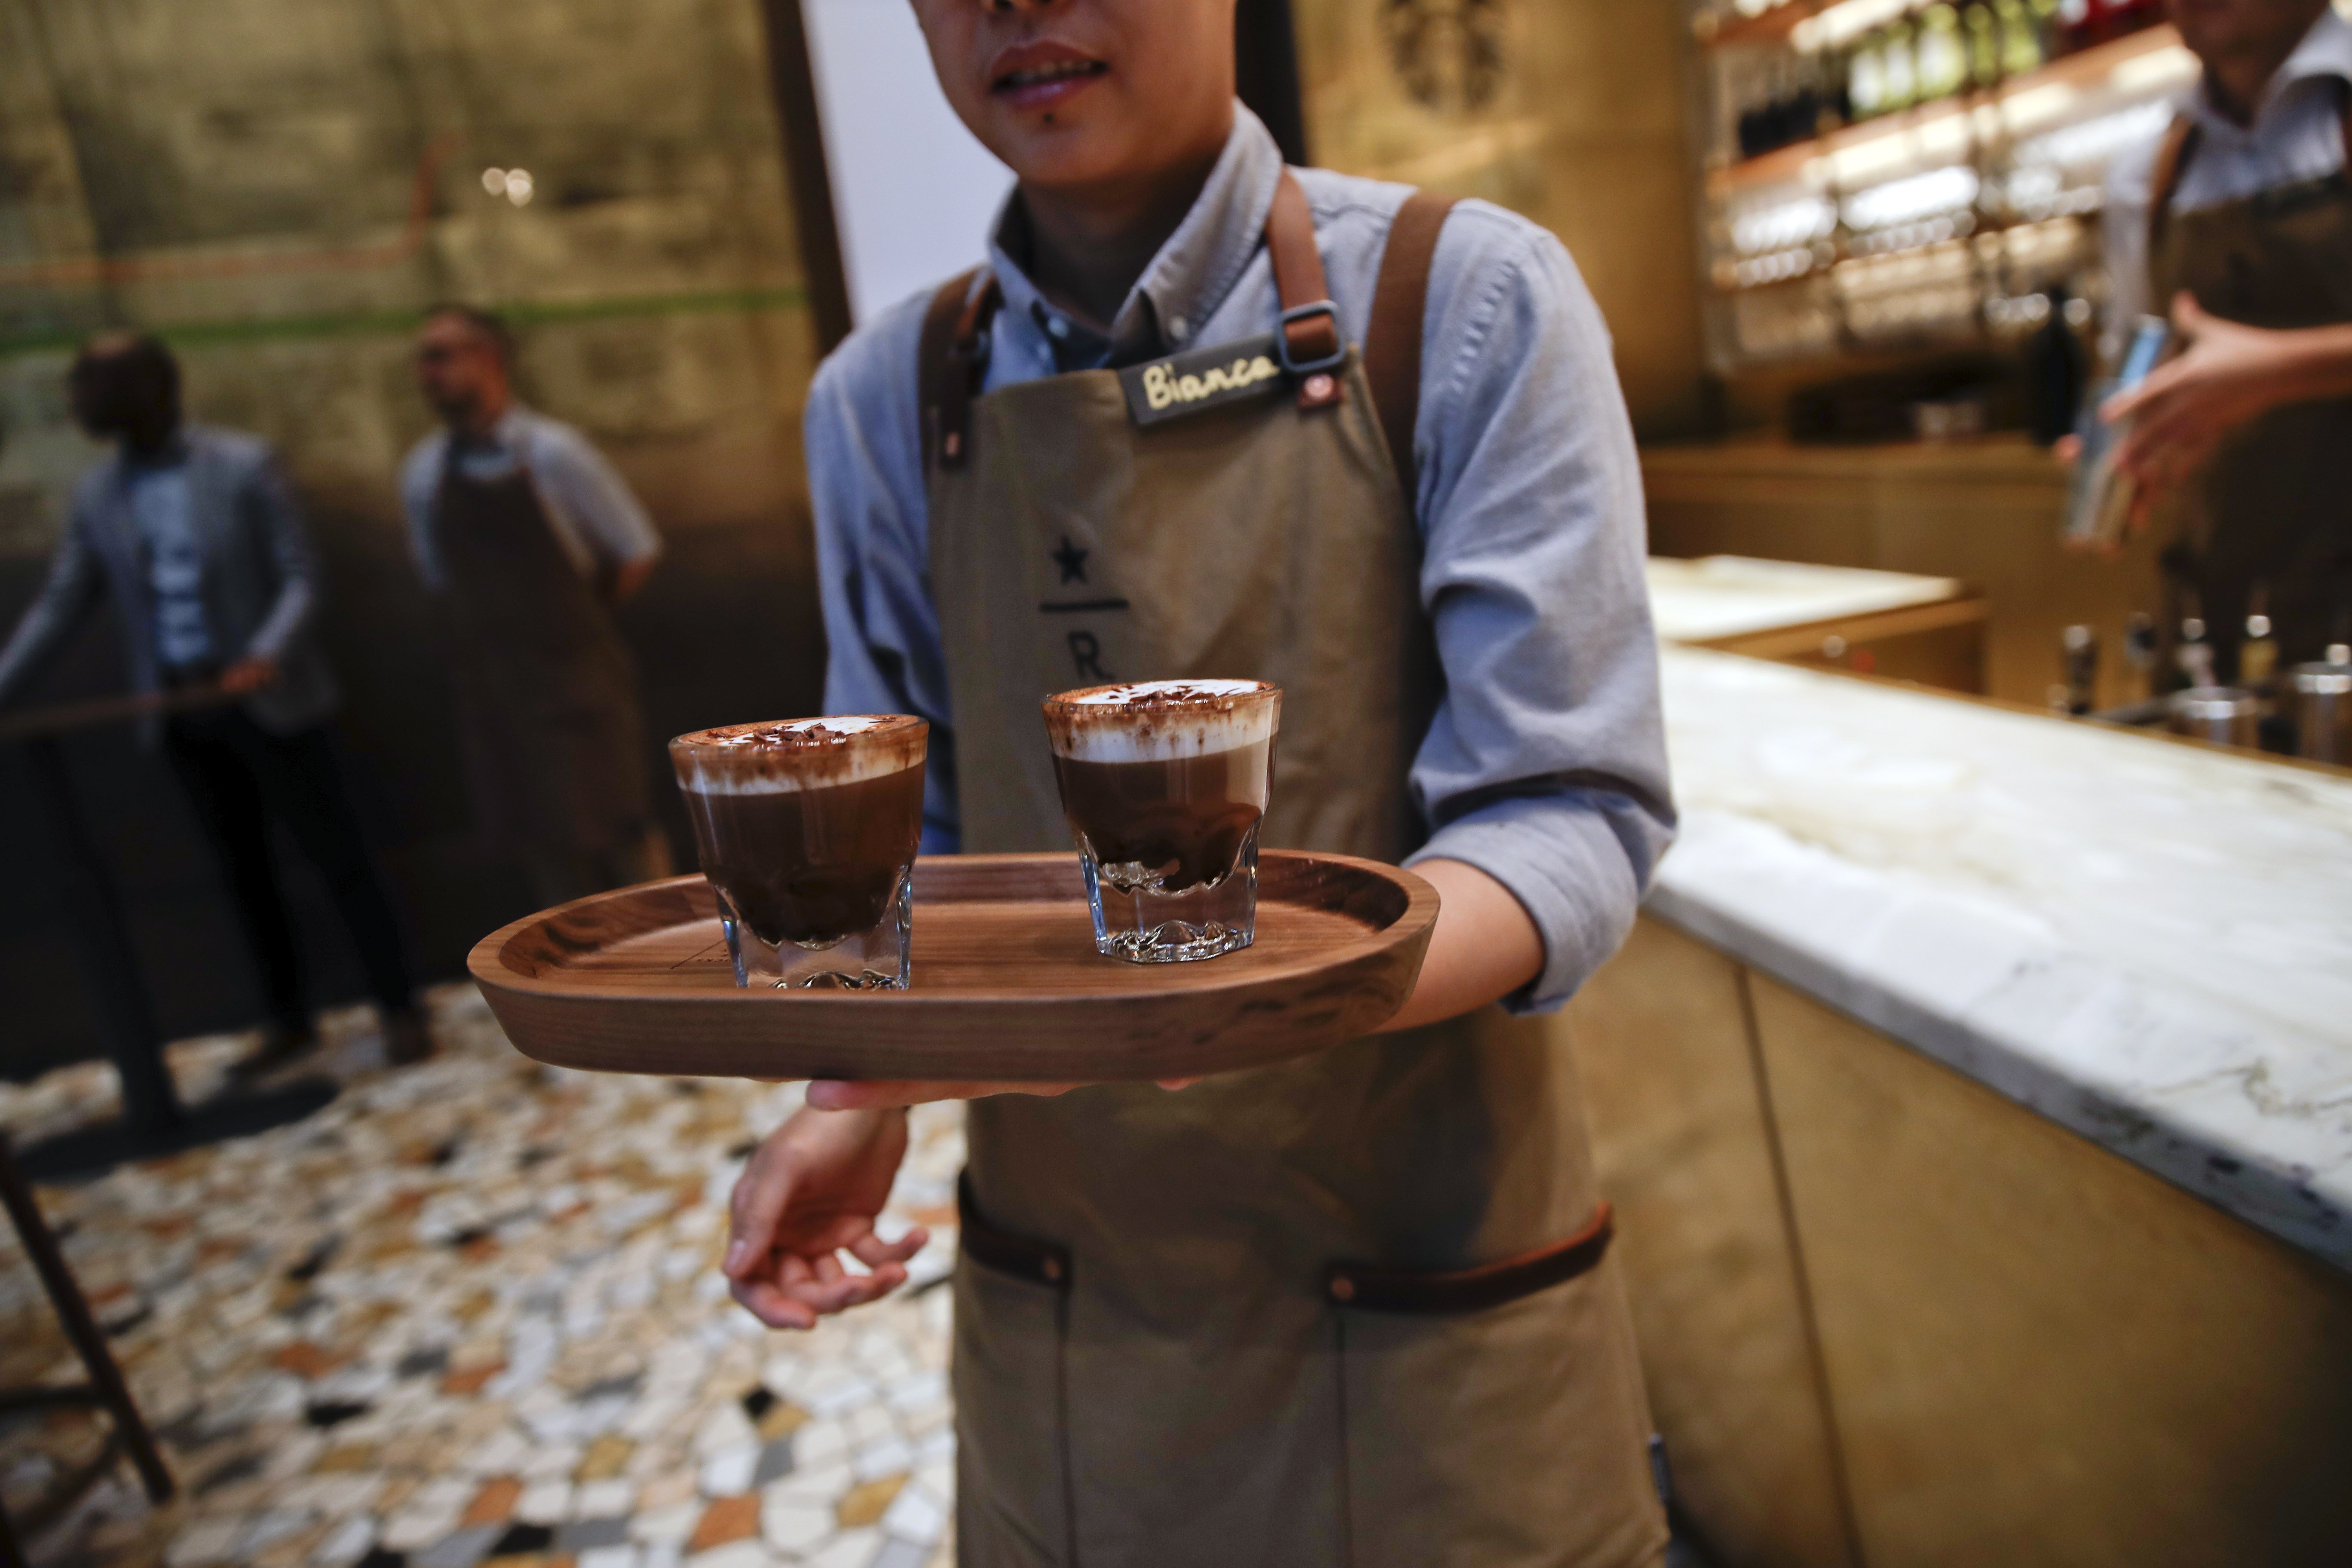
x=808, y=830
x=1165, y=786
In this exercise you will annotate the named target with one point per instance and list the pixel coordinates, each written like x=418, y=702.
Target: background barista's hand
x=811, y=1189
x=247, y=674
x=2228, y=376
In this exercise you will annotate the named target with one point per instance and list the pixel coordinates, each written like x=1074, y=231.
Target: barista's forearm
x=2316, y=360
x=1485, y=946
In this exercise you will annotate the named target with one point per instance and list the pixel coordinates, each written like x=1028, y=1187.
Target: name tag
x=1204, y=378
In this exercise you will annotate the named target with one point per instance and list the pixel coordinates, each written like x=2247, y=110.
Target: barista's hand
x=813, y=1189
x=2228, y=376
x=249, y=675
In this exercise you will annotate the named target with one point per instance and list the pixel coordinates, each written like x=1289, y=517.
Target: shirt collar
x=507, y=434
x=2325, y=52
x=1190, y=277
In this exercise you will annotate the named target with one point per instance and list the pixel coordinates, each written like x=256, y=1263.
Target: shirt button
x=1179, y=327
x=1058, y=327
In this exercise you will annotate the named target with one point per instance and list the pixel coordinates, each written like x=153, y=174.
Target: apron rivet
x=1053, y=1269
x=1343, y=1289
x=1320, y=387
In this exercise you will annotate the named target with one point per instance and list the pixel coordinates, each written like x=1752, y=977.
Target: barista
x=2239, y=220
x=528, y=541
x=1434, y=543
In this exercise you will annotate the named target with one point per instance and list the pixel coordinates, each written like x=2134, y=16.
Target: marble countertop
x=1730, y=595
x=2146, y=942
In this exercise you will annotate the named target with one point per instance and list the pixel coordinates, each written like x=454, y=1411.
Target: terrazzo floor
x=470, y=1313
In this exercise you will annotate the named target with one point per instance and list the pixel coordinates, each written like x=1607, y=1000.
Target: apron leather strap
x=2171, y=163
x=1375, y=1289
x=952, y=361
x=1393, y=344
x=1311, y=346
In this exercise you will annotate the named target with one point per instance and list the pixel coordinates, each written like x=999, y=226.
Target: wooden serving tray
x=1007, y=984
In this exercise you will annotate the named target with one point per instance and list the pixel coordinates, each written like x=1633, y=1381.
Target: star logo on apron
x=1072, y=561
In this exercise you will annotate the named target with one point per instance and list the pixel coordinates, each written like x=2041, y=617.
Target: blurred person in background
x=528, y=541
x=193, y=534
x=2238, y=220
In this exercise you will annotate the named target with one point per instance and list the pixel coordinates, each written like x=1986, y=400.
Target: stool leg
x=81, y=1328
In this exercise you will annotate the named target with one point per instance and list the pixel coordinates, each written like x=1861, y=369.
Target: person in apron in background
x=2239, y=220
x=1353, y=1309
x=529, y=541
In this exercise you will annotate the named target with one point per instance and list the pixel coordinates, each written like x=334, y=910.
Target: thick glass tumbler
x=808, y=830
x=1165, y=784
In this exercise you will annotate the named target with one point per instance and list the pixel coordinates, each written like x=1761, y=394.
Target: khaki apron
x=546, y=690
x=2274, y=510
x=1255, y=1321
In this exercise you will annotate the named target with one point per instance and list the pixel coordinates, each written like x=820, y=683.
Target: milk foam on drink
x=1161, y=720
x=783, y=757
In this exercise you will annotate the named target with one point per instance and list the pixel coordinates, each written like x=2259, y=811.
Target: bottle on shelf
x=2139, y=657
x=1865, y=79
x=1898, y=65
x=2258, y=655
x=2057, y=371
x=2194, y=653
x=2022, y=36
x=2081, y=646
x=1982, y=27
x=2076, y=25
x=1941, y=54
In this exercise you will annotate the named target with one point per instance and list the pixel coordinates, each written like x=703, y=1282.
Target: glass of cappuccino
x=1165, y=786
x=808, y=830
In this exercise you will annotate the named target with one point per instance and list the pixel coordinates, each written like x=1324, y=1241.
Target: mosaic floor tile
x=469, y=1314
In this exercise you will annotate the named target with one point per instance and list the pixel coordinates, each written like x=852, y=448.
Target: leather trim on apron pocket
x=1371, y=1289
x=1012, y=1393
x=1471, y=1400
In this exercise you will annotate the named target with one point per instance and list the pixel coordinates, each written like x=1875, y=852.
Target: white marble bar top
x=2146, y=942
x=1732, y=595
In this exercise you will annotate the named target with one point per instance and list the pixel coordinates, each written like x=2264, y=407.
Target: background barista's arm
x=295, y=565
x=2228, y=376
x=69, y=595
x=575, y=480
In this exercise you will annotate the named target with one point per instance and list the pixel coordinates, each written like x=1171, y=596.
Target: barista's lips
x=1043, y=75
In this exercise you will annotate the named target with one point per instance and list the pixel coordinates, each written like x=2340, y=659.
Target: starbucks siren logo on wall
x=1449, y=53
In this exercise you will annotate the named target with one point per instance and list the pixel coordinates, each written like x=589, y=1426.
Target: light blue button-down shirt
x=1544, y=767
x=161, y=506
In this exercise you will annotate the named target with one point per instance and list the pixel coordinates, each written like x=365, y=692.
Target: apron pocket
x=1493, y=1416
x=1371, y=1289
x=1014, y=1508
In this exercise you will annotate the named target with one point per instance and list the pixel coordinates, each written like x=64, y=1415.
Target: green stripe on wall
x=396, y=323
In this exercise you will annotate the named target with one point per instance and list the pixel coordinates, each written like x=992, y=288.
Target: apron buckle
x=1286, y=342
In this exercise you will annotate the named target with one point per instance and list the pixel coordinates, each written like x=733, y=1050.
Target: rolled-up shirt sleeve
x=575, y=479
x=866, y=484
x=1546, y=765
